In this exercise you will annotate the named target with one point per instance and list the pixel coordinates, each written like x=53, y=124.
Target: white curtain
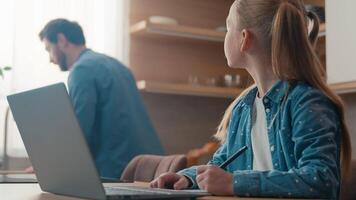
x=105, y=25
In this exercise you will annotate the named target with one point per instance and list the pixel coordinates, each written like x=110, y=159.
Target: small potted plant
x=2, y=69
x=4, y=84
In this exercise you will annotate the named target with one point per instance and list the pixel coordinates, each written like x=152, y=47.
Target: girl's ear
x=246, y=40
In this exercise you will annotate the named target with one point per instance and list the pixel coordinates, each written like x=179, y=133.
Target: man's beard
x=62, y=62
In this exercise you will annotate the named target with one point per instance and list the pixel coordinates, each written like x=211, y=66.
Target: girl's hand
x=30, y=170
x=171, y=181
x=215, y=180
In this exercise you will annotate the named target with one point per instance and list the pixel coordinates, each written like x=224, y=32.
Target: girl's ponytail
x=291, y=46
x=313, y=36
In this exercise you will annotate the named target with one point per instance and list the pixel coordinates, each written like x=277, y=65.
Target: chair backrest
x=148, y=167
x=348, y=186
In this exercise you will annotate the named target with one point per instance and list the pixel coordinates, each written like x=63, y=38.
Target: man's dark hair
x=71, y=30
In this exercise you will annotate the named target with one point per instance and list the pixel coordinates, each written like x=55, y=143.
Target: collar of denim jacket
x=276, y=94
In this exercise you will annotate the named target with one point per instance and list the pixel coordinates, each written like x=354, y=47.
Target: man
x=105, y=99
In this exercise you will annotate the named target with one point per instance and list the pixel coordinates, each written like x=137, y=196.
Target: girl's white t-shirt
x=262, y=159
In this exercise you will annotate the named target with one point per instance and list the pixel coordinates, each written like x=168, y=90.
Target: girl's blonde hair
x=284, y=24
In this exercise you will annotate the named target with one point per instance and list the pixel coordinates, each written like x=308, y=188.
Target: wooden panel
x=350, y=100
x=315, y=2
x=184, y=122
x=175, y=61
x=321, y=50
x=322, y=30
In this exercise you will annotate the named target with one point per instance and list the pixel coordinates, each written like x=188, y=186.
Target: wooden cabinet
x=175, y=53
x=179, y=68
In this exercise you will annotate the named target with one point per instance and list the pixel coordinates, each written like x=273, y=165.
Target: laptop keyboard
x=138, y=191
x=134, y=191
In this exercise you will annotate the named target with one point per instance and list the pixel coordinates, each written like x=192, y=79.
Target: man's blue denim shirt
x=110, y=112
x=304, y=135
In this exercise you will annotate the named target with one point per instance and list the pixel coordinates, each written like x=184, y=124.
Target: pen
x=233, y=157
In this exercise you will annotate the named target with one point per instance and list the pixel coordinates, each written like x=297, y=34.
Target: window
x=105, y=25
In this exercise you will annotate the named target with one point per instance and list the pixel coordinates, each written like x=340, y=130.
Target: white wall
x=341, y=40
x=341, y=53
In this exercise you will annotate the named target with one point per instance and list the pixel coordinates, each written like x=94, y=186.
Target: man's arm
x=82, y=90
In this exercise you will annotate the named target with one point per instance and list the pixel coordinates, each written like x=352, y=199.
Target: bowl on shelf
x=232, y=80
x=162, y=20
x=221, y=29
x=227, y=80
x=205, y=81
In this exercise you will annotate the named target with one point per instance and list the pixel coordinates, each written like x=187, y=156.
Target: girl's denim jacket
x=304, y=136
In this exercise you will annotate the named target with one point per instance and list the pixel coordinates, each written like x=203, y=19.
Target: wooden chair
x=145, y=168
x=348, y=185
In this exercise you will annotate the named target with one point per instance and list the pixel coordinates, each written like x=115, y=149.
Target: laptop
x=59, y=153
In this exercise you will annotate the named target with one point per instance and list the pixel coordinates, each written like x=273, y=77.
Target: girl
x=291, y=121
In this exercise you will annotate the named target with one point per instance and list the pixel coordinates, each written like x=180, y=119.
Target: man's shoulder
x=98, y=67
x=91, y=58
x=95, y=60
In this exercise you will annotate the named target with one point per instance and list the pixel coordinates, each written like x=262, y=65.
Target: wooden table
x=33, y=192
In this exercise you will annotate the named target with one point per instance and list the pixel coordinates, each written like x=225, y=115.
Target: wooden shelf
x=210, y=91
x=344, y=88
x=322, y=30
x=315, y=2
x=145, y=28
x=186, y=89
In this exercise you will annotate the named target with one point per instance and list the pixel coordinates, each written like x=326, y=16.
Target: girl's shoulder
x=302, y=93
x=300, y=90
